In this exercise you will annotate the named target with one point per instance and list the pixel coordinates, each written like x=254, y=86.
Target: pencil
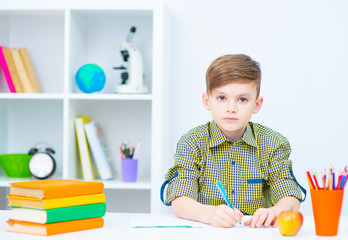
x=316, y=182
x=329, y=183
x=345, y=181
x=323, y=177
x=339, y=181
x=315, y=173
x=310, y=181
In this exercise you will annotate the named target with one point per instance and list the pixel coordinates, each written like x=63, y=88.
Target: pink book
x=6, y=71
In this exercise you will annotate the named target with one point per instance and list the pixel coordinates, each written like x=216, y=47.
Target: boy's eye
x=221, y=98
x=243, y=100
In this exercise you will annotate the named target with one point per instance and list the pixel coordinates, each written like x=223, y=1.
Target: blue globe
x=90, y=78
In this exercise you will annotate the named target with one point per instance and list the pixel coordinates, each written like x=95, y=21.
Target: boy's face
x=232, y=106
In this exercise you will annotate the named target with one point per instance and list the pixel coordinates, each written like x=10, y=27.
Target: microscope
x=133, y=77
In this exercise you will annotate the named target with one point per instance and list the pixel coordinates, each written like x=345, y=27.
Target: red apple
x=289, y=222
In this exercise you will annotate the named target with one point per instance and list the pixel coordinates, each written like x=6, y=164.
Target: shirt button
x=232, y=191
x=233, y=162
x=229, y=142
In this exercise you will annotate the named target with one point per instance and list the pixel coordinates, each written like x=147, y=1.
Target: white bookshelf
x=61, y=36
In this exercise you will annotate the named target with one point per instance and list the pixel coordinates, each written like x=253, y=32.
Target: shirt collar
x=249, y=137
x=217, y=137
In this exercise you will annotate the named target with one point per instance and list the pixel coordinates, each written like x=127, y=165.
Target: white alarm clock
x=42, y=164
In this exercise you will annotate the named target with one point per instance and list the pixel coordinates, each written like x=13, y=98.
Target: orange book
x=55, y=188
x=54, y=228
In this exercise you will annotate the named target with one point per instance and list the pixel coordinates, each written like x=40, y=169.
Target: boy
x=250, y=160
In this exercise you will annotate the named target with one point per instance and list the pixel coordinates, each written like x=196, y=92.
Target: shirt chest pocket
x=254, y=182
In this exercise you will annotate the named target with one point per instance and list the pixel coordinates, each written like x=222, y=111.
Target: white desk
x=118, y=226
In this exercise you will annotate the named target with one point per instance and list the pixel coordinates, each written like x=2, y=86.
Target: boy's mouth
x=232, y=119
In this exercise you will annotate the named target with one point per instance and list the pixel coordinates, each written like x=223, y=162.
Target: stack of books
x=18, y=70
x=54, y=206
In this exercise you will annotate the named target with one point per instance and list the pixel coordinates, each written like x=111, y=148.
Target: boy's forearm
x=187, y=208
x=286, y=203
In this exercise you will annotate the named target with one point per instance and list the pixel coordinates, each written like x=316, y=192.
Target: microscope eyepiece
x=131, y=34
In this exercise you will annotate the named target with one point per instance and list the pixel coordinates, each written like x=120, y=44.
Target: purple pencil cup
x=129, y=169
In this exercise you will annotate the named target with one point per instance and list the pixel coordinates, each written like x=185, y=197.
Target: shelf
x=29, y=96
x=5, y=181
x=112, y=184
x=82, y=96
x=77, y=96
x=117, y=184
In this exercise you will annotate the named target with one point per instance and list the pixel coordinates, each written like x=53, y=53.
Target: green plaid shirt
x=254, y=170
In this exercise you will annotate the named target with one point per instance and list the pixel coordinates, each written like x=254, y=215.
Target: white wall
x=302, y=47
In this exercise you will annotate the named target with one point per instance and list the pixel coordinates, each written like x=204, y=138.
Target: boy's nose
x=231, y=107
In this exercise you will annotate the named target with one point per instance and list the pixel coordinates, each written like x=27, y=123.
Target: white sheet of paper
x=170, y=221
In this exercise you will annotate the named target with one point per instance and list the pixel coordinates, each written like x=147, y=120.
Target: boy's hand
x=262, y=217
x=224, y=216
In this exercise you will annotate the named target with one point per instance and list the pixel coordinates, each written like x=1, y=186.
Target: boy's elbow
x=177, y=206
x=183, y=207
x=296, y=204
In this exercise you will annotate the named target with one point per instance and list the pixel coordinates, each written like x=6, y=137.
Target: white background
x=302, y=47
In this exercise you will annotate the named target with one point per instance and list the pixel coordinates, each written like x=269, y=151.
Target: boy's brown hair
x=233, y=68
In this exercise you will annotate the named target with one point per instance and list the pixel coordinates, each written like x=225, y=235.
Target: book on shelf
x=39, y=203
x=55, y=228
x=12, y=70
x=99, y=150
x=29, y=69
x=85, y=157
x=22, y=73
x=6, y=71
x=55, y=188
x=58, y=214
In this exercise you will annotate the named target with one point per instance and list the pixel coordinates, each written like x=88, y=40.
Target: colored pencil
x=345, y=181
x=310, y=181
x=316, y=181
x=323, y=176
x=339, y=181
x=329, y=183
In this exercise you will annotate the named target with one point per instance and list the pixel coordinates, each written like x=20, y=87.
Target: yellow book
x=22, y=73
x=82, y=144
x=29, y=69
x=38, y=203
x=12, y=69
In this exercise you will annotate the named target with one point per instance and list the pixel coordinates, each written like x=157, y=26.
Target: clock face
x=41, y=165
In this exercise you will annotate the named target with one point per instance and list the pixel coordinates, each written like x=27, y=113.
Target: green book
x=58, y=214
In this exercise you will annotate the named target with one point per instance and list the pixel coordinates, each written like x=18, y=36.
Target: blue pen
x=224, y=194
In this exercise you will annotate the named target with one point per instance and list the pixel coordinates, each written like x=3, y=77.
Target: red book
x=6, y=71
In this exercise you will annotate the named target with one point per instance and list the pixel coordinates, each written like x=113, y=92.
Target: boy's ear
x=258, y=105
x=205, y=99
